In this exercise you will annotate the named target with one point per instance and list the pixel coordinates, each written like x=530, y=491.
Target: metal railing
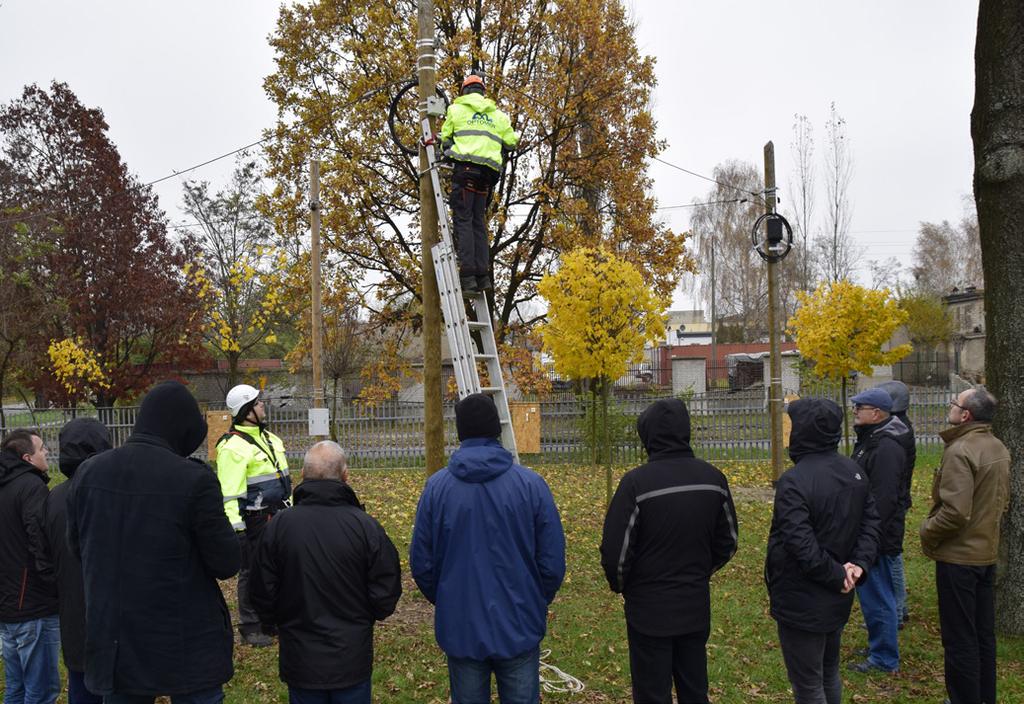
x=724, y=426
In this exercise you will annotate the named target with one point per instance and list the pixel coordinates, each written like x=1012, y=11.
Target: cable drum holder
x=777, y=241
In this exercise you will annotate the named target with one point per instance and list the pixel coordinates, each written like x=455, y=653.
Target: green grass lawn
x=587, y=633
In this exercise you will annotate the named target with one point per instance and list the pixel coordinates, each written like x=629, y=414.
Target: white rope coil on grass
x=554, y=680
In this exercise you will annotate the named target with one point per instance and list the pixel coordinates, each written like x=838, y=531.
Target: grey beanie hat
x=900, y=395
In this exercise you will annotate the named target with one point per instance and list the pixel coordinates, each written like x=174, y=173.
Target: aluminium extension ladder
x=457, y=321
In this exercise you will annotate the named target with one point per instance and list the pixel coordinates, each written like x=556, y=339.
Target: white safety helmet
x=239, y=397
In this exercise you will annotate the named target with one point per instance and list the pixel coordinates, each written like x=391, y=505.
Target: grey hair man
x=325, y=460
x=970, y=494
x=324, y=572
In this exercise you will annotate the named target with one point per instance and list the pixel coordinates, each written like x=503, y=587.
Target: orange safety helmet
x=473, y=80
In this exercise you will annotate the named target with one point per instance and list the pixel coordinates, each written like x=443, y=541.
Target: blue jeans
x=878, y=603
x=359, y=694
x=899, y=587
x=31, y=656
x=207, y=696
x=518, y=679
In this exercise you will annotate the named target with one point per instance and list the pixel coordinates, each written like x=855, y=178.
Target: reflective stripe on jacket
x=248, y=477
x=475, y=131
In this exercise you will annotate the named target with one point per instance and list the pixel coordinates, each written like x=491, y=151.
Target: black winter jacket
x=909, y=443
x=824, y=517
x=670, y=525
x=880, y=452
x=324, y=572
x=27, y=591
x=80, y=439
x=149, y=527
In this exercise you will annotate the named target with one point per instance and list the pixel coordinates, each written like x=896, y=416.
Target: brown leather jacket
x=970, y=493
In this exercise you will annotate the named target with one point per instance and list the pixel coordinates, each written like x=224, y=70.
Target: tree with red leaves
x=110, y=261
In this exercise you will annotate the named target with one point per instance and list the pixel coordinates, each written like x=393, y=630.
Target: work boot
x=484, y=283
x=468, y=285
x=257, y=640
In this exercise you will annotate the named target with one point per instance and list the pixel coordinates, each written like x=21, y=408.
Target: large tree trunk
x=997, y=127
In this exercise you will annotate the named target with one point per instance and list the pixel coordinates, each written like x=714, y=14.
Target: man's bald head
x=325, y=460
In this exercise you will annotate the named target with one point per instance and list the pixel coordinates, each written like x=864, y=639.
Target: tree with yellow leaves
x=344, y=342
x=240, y=274
x=569, y=75
x=844, y=328
x=77, y=369
x=601, y=313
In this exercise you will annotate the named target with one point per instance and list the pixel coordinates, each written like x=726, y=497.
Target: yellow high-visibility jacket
x=249, y=477
x=475, y=130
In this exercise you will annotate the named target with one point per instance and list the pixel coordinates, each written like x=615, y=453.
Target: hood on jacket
x=479, y=460
x=477, y=102
x=900, y=395
x=891, y=426
x=12, y=466
x=79, y=440
x=664, y=428
x=170, y=412
x=817, y=427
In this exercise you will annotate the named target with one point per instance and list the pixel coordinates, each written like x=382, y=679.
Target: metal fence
x=724, y=425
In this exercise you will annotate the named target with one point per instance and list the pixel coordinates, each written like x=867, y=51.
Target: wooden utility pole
x=316, y=322
x=775, y=360
x=433, y=435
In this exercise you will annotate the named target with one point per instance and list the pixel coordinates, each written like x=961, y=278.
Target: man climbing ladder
x=475, y=135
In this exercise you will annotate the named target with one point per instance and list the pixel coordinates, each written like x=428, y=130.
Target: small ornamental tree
x=77, y=369
x=842, y=327
x=240, y=271
x=601, y=312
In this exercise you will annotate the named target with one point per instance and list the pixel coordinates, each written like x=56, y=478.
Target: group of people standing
x=838, y=528
x=128, y=552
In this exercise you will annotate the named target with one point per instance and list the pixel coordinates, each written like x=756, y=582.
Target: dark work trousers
x=812, y=664
x=967, y=618
x=656, y=662
x=255, y=522
x=471, y=192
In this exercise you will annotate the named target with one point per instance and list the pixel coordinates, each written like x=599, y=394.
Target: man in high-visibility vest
x=475, y=135
x=253, y=473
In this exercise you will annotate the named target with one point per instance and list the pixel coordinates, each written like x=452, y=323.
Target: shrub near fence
x=725, y=427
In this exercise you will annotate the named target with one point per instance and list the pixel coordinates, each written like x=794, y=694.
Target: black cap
x=476, y=416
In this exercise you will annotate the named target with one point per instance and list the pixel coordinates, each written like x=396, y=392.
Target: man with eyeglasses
x=970, y=494
x=254, y=479
x=879, y=452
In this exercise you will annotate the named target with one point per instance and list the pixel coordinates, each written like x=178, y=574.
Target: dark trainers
x=468, y=284
x=866, y=667
x=257, y=640
x=484, y=283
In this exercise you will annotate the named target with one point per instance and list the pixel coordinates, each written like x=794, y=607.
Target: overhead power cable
x=709, y=202
x=546, y=106
x=368, y=94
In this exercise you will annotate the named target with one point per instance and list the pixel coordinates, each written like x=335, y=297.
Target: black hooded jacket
x=900, y=405
x=881, y=452
x=324, y=572
x=149, y=527
x=27, y=591
x=824, y=517
x=79, y=439
x=671, y=524
x=909, y=443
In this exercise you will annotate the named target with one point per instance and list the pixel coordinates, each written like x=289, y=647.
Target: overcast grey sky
x=182, y=82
